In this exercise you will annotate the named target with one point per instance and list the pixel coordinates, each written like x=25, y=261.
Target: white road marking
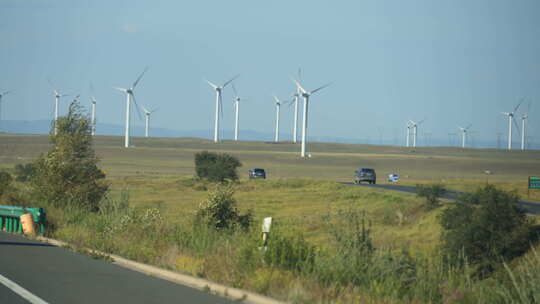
x=21, y=291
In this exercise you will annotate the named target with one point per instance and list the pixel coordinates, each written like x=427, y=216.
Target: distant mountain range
x=44, y=126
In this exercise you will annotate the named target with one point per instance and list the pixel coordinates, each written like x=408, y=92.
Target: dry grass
x=167, y=157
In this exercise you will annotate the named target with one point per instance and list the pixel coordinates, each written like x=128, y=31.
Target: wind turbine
x=510, y=119
x=464, y=134
x=278, y=107
x=296, y=99
x=1, y=96
x=147, y=119
x=129, y=97
x=236, y=105
x=524, y=119
x=408, y=132
x=414, y=126
x=93, y=117
x=306, y=94
x=57, y=97
x=219, y=107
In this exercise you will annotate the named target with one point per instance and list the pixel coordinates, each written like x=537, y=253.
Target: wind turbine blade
x=211, y=84
x=516, y=125
x=226, y=83
x=139, y=78
x=298, y=85
x=121, y=89
x=320, y=88
x=470, y=125
x=505, y=113
x=91, y=88
x=136, y=106
x=50, y=82
x=300, y=74
x=154, y=110
x=220, y=106
x=519, y=104
x=6, y=92
x=144, y=109
x=276, y=99
x=421, y=121
x=234, y=90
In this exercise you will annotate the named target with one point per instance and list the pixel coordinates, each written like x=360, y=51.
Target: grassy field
x=304, y=199
x=459, y=169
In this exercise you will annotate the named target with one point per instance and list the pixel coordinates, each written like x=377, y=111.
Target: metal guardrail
x=10, y=220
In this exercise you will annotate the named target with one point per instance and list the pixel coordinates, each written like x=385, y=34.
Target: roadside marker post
x=267, y=224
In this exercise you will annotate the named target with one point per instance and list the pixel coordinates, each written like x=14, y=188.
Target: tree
x=216, y=167
x=68, y=174
x=484, y=228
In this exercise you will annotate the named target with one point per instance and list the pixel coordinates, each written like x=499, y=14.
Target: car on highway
x=257, y=173
x=365, y=175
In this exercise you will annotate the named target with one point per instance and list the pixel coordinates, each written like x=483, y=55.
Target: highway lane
x=530, y=207
x=57, y=275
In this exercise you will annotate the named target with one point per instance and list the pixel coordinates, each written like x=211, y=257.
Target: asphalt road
x=57, y=275
x=530, y=207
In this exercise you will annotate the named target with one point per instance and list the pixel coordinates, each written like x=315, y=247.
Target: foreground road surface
x=57, y=275
x=531, y=208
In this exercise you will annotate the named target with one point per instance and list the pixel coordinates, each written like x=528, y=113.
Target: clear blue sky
x=452, y=62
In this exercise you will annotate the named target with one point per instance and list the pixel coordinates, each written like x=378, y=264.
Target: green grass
x=300, y=194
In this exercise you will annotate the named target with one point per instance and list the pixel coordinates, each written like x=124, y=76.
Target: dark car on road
x=365, y=175
x=257, y=173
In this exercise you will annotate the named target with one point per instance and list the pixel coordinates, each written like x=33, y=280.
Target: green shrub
x=24, y=172
x=290, y=253
x=220, y=212
x=5, y=182
x=216, y=167
x=485, y=228
x=68, y=174
x=431, y=193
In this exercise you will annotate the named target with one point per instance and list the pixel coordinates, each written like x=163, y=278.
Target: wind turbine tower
x=1, y=97
x=130, y=96
x=510, y=120
x=219, y=107
x=408, y=133
x=278, y=106
x=464, y=135
x=414, y=126
x=524, y=119
x=57, y=97
x=93, y=117
x=236, y=105
x=147, y=120
x=296, y=99
x=306, y=94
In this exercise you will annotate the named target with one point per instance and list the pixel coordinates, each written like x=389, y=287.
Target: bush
x=220, y=212
x=24, y=172
x=431, y=193
x=289, y=253
x=5, y=181
x=485, y=228
x=216, y=167
x=68, y=173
